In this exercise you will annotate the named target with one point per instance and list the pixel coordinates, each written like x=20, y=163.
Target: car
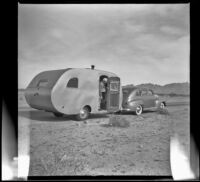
x=140, y=99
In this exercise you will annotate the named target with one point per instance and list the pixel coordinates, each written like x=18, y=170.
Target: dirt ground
x=63, y=146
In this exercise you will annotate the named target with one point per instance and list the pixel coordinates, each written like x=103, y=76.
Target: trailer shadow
x=41, y=116
x=47, y=116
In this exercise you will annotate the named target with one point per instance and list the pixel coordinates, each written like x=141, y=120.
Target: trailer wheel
x=58, y=114
x=83, y=114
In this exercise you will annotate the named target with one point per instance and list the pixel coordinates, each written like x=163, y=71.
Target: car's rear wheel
x=162, y=105
x=58, y=114
x=83, y=114
x=139, y=110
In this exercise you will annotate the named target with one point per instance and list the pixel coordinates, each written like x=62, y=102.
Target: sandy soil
x=62, y=146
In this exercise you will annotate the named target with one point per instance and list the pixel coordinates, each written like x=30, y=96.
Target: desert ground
x=104, y=144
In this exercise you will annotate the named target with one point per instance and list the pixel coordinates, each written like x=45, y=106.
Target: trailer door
x=113, y=94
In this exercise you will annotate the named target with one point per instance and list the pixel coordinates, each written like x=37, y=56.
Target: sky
x=141, y=43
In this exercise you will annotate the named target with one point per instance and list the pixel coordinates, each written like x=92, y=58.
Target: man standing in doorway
x=103, y=87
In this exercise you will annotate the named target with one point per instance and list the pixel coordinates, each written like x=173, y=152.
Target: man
x=103, y=85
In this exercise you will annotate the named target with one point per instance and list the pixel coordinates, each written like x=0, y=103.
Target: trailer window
x=42, y=83
x=114, y=86
x=73, y=83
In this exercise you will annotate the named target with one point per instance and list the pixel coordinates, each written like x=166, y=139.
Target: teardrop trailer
x=74, y=91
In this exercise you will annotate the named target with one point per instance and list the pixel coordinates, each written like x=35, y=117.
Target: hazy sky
x=140, y=43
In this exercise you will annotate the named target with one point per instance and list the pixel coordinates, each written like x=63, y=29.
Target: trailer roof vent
x=92, y=67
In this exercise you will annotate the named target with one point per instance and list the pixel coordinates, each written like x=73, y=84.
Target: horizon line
x=145, y=83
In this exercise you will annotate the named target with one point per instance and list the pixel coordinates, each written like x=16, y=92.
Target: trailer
x=74, y=91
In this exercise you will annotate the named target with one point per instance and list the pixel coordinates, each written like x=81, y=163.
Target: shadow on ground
x=47, y=116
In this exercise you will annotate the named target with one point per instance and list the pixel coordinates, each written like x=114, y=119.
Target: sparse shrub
x=56, y=163
x=117, y=121
x=162, y=111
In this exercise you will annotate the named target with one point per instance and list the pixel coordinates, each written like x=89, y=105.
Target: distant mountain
x=172, y=88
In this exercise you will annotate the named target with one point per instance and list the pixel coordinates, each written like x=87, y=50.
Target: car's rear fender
x=134, y=104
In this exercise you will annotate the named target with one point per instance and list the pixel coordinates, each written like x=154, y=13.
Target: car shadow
x=149, y=111
x=48, y=116
x=133, y=113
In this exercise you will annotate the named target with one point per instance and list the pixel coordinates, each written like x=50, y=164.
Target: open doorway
x=103, y=91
